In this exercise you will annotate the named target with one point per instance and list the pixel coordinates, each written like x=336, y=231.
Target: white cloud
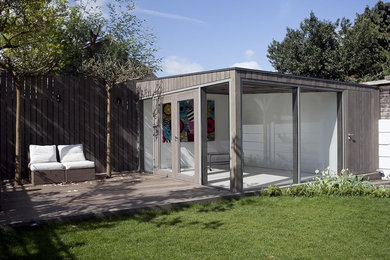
x=249, y=54
x=177, y=65
x=248, y=65
x=167, y=15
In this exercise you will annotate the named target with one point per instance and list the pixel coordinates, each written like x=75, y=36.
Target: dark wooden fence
x=68, y=110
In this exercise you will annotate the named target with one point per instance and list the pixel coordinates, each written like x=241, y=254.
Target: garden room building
x=244, y=129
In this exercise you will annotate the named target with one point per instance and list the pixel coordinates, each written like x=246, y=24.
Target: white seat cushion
x=71, y=153
x=51, y=166
x=42, y=154
x=78, y=165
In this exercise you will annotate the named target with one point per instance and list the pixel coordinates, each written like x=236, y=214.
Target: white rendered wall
x=267, y=130
x=318, y=131
x=222, y=131
x=148, y=135
x=384, y=147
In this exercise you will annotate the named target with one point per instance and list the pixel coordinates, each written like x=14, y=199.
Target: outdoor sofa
x=77, y=168
x=73, y=166
x=44, y=166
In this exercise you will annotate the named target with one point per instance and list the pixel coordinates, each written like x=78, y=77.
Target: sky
x=198, y=35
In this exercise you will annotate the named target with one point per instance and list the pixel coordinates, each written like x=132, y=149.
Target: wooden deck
x=123, y=194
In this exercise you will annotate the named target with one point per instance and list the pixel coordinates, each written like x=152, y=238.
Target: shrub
x=272, y=191
x=343, y=183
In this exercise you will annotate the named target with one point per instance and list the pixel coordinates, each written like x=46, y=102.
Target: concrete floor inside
x=254, y=177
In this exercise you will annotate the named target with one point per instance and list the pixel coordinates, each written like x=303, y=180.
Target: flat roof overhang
x=251, y=80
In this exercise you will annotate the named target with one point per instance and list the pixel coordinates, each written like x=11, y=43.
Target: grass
x=284, y=227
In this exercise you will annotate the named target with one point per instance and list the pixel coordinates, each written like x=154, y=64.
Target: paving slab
x=30, y=205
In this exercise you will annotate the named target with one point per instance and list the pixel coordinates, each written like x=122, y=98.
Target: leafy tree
x=311, y=50
x=29, y=45
x=366, y=45
x=340, y=50
x=79, y=37
x=120, y=49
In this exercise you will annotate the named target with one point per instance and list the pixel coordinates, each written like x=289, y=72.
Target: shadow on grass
x=215, y=224
x=220, y=206
x=146, y=216
x=91, y=224
x=45, y=241
x=169, y=222
x=34, y=243
x=161, y=218
x=247, y=201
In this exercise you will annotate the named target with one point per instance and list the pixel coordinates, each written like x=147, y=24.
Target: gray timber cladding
x=360, y=109
x=361, y=123
x=147, y=89
x=68, y=110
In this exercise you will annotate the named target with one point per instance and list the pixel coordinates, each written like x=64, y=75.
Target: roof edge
x=264, y=72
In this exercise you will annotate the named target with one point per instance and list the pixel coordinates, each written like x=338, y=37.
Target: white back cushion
x=42, y=153
x=71, y=153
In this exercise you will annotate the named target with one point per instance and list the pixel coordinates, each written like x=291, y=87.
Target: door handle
x=176, y=138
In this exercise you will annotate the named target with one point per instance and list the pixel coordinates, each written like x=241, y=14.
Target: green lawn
x=250, y=228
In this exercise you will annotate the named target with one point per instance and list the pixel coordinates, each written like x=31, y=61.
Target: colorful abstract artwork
x=186, y=120
x=210, y=120
x=187, y=127
x=166, y=123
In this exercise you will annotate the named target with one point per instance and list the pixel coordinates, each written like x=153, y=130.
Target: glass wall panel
x=148, y=135
x=218, y=138
x=318, y=132
x=267, y=130
x=186, y=130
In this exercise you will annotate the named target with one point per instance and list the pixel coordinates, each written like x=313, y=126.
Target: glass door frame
x=174, y=99
x=157, y=140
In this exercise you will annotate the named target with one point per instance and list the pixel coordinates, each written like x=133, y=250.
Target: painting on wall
x=186, y=114
x=166, y=123
x=210, y=120
x=186, y=120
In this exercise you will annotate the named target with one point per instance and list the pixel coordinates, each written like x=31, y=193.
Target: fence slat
x=3, y=126
x=71, y=113
x=10, y=131
x=91, y=121
x=50, y=111
x=102, y=129
x=44, y=102
x=76, y=98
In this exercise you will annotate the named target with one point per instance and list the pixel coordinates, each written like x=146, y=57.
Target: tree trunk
x=108, y=136
x=18, y=159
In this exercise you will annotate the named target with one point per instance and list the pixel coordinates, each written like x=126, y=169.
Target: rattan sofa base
x=47, y=177
x=76, y=175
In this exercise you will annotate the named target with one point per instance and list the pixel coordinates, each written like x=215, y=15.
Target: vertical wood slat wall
x=361, y=121
x=68, y=110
